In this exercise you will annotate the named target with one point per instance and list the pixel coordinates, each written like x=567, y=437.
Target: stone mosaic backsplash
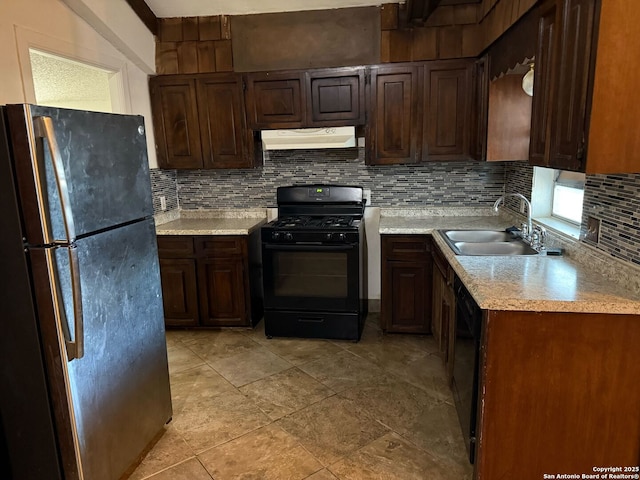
x=446, y=184
x=163, y=184
x=615, y=199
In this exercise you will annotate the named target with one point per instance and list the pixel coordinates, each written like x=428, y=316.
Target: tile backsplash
x=614, y=199
x=442, y=184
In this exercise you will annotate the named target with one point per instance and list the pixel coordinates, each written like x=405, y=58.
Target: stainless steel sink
x=478, y=236
x=516, y=247
x=486, y=242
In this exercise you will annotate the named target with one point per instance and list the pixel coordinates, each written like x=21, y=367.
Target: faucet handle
x=541, y=234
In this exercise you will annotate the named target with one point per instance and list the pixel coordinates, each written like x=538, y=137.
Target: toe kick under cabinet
x=210, y=281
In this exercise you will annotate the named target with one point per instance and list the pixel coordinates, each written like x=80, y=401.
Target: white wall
x=50, y=25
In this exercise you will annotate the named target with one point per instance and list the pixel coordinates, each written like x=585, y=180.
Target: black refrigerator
x=84, y=383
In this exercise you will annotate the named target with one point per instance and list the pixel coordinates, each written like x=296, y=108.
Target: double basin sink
x=486, y=242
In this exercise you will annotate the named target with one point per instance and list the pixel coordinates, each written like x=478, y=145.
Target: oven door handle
x=310, y=248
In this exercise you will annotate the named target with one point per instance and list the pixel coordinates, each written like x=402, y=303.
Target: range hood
x=309, y=138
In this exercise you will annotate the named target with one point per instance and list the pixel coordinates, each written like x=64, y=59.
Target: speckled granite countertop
x=212, y=222
x=528, y=283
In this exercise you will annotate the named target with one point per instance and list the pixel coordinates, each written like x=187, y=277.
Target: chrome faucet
x=529, y=231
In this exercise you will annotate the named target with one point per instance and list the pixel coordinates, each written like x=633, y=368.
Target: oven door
x=313, y=277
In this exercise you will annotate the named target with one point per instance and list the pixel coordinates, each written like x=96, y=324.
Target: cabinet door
x=407, y=270
x=568, y=126
x=447, y=105
x=222, y=123
x=222, y=292
x=406, y=297
x=335, y=97
x=275, y=100
x=394, y=126
x=175, y=121
x=542, y=84
x=179, y=291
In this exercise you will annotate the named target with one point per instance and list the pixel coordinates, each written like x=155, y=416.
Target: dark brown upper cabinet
x=561, y=84
x=582, y=116
x=175, y=121
x=447, y=106
x=394, y=120
x=335, y=97
x=276, y=100
x=421, y=112
x=225, y=138
x=199, y=122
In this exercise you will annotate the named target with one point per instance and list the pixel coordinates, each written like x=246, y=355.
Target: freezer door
x=119, y=390
x=103, y=164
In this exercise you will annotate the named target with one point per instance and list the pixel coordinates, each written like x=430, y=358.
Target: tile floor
x=252, y=408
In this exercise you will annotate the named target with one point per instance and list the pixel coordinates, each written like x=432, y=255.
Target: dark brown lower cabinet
x=179, y=291
x=207, y=280
x=444, y=308
x=406, y=283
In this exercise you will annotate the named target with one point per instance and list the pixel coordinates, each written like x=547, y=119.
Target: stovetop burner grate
x=306, y=221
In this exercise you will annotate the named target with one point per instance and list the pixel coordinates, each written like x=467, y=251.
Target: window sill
x=560, y=226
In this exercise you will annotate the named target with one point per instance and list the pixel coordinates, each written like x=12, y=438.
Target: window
x=568, y=193
x=557, y=197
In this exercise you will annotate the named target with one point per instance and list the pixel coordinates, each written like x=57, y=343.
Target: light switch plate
x=593, y=229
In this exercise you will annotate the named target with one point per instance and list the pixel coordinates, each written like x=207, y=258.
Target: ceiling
x=197, y=8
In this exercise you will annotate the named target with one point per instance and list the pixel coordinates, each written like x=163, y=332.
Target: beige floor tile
x=424, y=371
x=285, y=392
x=169, y=450
x=392, y=458
x=372, y=334
x=181, y=358
x=189, y=470
x=298, y=351
x=386, y=381
x=218, y=344
x=323, y=474
x=263, y=363
x=207, y=421
x=437, y=430
x=342, y=370
x=196, y=382
x=332, y=428
x=394, y=402
x=268, y=453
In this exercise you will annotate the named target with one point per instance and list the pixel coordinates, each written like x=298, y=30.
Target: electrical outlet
x=593, y=229
x=163, y=203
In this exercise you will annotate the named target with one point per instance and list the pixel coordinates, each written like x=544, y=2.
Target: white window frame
x=544, y=182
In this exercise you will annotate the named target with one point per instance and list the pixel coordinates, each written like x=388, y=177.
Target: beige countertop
x=213, y=222
x=524, y=283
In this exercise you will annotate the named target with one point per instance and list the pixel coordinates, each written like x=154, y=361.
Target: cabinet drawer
x=220, y=246
x=175, y=246
x=407, y=247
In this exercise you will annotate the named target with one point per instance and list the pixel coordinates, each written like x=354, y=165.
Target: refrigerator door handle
x=43, y=127
x=75, y=346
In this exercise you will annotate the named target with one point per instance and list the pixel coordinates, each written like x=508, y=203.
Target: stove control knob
x=288, y=236
x=275, y=235
x=342, y=237
x=328, y=236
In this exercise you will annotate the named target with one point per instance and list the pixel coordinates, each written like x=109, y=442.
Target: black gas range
x=314, y=263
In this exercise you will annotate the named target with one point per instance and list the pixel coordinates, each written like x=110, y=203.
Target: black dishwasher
x=465, y=363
